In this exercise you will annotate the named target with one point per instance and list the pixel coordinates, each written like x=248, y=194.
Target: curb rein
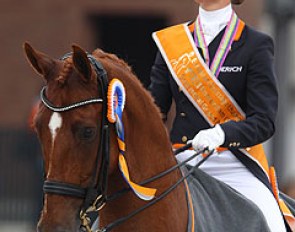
x=95, y=197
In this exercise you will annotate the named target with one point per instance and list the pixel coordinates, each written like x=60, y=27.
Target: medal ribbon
x=225, y=44
x=116, y=103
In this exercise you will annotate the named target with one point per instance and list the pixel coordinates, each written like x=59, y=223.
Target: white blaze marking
x=55, y=123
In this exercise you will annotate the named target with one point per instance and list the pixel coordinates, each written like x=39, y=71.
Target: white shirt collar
x=214, y=21
x=216, y=16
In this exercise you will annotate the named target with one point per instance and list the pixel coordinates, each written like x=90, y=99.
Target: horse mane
x=112, y=57
x=68, y=65
x=66, y=71
x=126, y=73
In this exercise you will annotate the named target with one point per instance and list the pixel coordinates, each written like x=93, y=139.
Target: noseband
x=95, y=195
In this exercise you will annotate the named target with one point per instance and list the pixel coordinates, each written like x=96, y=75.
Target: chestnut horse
x=88, y=146
x=73, y=137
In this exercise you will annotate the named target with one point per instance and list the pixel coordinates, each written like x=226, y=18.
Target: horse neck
x=148, y=148
x=148, y=152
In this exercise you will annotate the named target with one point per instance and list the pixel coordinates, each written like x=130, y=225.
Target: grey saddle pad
x=219, y=208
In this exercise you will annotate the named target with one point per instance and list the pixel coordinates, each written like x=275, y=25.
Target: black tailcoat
x=248, y=75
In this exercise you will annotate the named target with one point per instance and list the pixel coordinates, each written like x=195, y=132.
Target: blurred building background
x=122, y=27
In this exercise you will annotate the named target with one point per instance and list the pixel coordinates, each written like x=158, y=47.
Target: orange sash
x=204, y=90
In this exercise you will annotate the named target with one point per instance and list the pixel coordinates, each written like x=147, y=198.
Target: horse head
x=70, y=139
x=81, y=149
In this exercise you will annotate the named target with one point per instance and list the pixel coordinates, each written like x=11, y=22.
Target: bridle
x=95, y=196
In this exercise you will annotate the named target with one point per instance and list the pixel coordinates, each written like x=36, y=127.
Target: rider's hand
x=209, y=138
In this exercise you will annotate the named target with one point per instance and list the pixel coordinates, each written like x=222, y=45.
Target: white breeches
x=227, y=168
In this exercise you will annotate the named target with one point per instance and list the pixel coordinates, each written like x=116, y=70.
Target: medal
x=225, y=44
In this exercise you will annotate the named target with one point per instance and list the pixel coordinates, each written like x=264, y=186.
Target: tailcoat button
x=184, y=139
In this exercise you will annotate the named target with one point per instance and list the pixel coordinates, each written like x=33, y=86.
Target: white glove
x=211, y=138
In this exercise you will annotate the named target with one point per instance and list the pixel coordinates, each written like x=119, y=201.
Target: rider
x=241, y=114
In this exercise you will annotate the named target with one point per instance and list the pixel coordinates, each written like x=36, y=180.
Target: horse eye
x=87, y=133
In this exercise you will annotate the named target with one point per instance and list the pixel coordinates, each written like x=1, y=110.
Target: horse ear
x=81, y=63
x=41, y=63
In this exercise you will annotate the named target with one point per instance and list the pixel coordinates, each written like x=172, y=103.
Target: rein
x=95, y=196
x=164, y=194
x=162, y=174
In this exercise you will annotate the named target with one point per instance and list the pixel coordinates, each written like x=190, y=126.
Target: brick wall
x=52, y=26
